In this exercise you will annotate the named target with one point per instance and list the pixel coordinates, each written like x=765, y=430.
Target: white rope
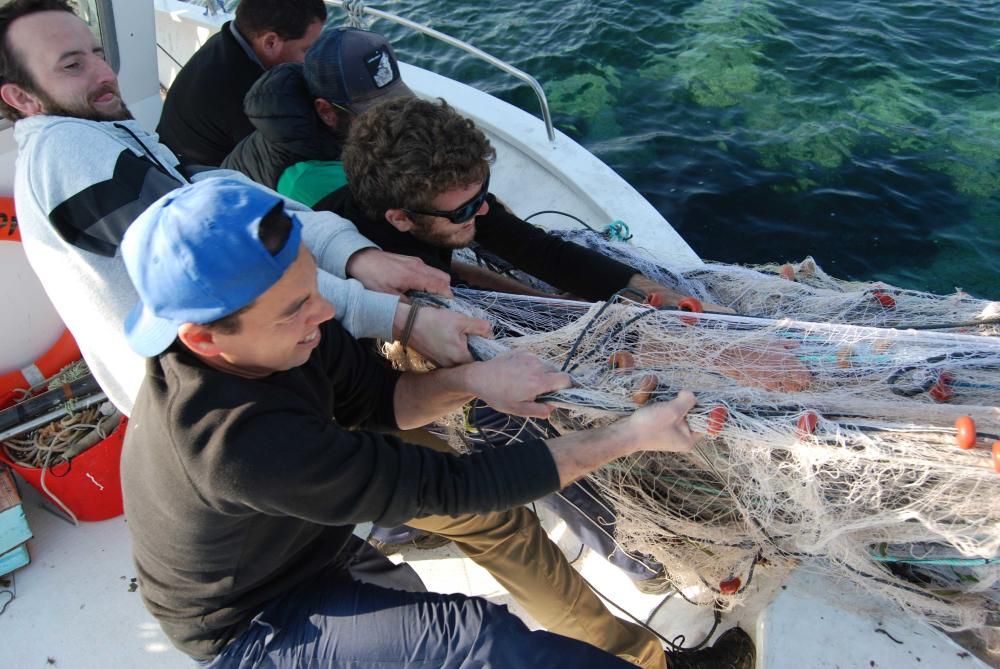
x=356, y=17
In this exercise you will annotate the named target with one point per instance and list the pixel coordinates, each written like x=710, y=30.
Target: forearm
x=363, y=313
x=333, y=240
x=487, y=280
x=579, y=453
x=420, y=398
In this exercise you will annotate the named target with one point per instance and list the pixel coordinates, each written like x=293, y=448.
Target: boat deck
x=76, y=607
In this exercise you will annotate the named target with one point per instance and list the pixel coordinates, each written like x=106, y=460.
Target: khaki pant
x=514, y=548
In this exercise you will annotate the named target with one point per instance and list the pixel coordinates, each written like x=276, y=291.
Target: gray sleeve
x=364, y=313
x=331, y=238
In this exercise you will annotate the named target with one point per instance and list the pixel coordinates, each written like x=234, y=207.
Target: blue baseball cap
x=194, y=256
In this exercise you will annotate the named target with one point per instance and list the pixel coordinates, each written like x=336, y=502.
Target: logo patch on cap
x=380, y=68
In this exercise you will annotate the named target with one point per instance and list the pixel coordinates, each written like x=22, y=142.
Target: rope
x=356, y=17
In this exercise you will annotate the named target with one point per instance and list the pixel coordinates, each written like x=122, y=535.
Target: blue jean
x=335, y=621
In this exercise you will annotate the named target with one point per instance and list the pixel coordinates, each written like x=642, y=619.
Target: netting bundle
x=802, y=291
x=880, y=470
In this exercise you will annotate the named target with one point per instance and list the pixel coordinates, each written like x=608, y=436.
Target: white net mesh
x=859, y=473
x=802, y=291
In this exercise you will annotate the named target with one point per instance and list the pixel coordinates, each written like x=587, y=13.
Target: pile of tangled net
x=802, y=291
x=882, y=471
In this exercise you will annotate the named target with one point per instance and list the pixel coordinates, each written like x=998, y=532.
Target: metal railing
x=465, y=46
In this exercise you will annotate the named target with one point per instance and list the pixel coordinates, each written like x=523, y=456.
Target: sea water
x=865, y=133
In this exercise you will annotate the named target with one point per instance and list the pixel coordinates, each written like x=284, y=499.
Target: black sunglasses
x=463, y=212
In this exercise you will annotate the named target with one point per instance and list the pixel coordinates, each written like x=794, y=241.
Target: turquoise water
x=865, y=133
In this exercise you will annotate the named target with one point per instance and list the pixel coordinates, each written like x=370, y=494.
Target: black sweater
x=287, y=128
x=203, y=115
x=557, y=262
x=236, y=490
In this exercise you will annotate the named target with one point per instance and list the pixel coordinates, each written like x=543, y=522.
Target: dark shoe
x=733, y=650
x=422, y=541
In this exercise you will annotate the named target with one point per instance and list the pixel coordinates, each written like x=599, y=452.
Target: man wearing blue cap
x=242, y=485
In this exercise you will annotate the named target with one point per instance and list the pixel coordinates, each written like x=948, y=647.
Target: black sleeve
x=363, y=388
x=96, y=218
x=334, y=476
x=560, y=263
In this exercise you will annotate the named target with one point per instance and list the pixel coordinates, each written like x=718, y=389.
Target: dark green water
x=865, y=133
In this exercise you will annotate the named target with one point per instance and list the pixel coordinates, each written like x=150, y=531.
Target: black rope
x=169, y=55
x=561, y=213
x=11, y=592
x=587, y=326
x=677, y=643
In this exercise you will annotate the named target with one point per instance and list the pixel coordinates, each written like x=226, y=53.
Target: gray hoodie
x=78, y=186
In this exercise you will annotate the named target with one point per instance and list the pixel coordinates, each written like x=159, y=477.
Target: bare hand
x=663, y=426
x=668, y=296
x=442, y=336
x=768, y=365
x=510, y=383
x=396, y=274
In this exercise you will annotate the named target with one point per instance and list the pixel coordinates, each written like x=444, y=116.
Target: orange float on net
x=942, y=391
x=730, y=586
x=644, y=390
x=787, y=272
x=996, y=456
x=621, y=360
x=655, y=300
x=693, y=305
x=965, y=435
x=886, y=300
x=716, y=420
x=807, y=424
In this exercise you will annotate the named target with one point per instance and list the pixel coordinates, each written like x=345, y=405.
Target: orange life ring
x=8, y=221
x=62, y=353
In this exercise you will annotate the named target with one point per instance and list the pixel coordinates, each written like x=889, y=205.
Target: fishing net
x=801, y=290
x=860, y=473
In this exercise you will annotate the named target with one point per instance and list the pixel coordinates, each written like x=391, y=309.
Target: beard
x=85, y=111
x=449, y=239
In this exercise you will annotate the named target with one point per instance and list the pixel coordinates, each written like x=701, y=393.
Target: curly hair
x=12, y=70
x=403, y=153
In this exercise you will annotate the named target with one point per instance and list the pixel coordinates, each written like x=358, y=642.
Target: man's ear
x=199, y=339
x=399, y=219
x=326, y=112
x=21, y=100
x=267, y=45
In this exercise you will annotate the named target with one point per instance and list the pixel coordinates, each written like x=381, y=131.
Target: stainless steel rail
x=478, y=53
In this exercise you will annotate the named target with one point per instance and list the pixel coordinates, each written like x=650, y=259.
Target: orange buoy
x=807, y=424
x=942, y=391
x=621, y=360
x=996, y=456
x=716, y=420
x=693, y=305
x=644, y=390
x=62, y=353
x=966, y=432
x=887, y=301
x=730, y=586
x=655, y=300
x=787, y=272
